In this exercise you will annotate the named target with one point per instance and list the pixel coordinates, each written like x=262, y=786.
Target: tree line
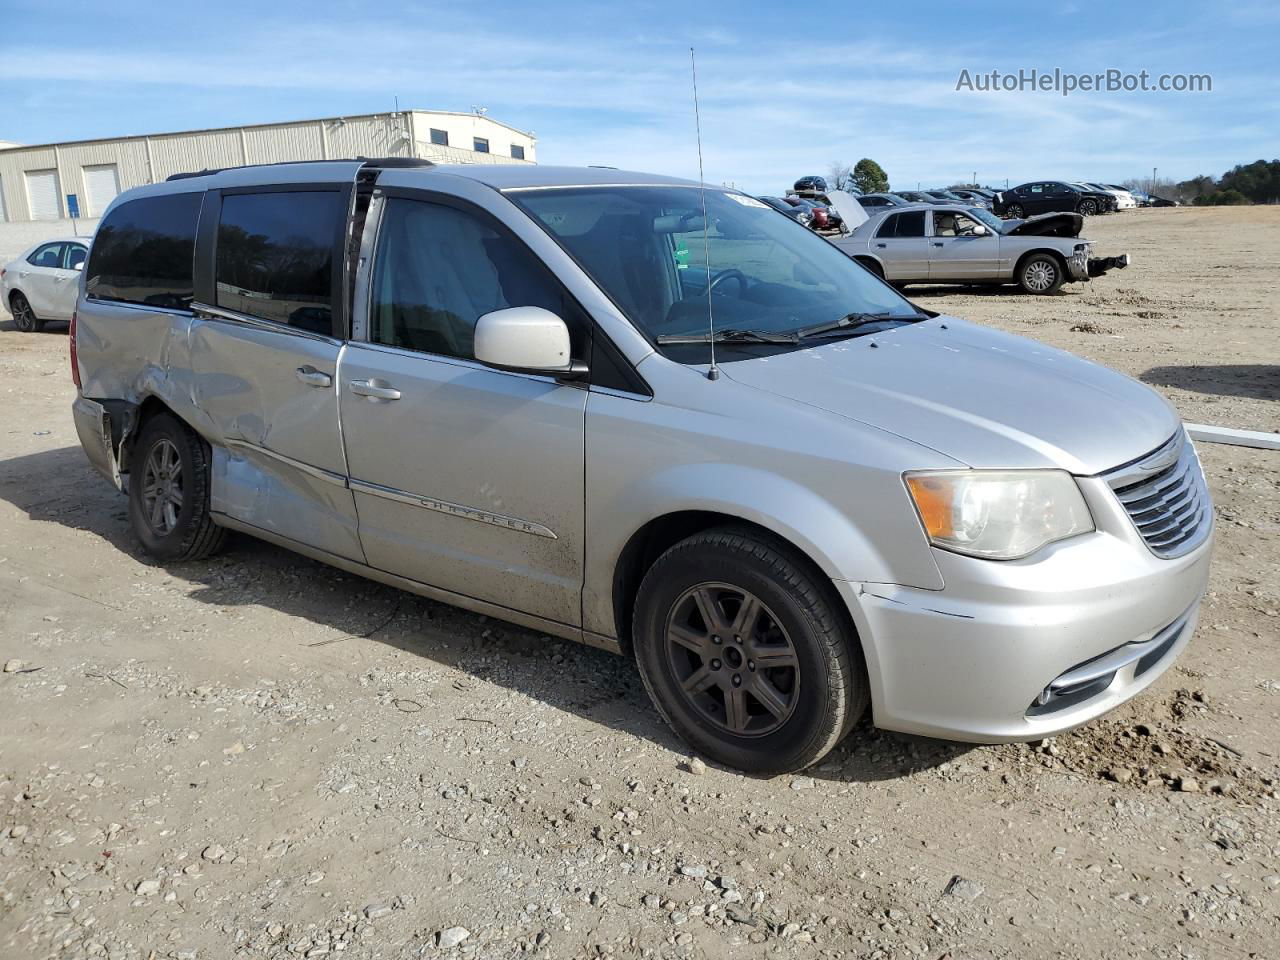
x=1257, y=182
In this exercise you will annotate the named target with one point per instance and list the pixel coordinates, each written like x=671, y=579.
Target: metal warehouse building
x=78, y=179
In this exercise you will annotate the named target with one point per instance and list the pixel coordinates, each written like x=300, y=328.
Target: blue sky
x=786, y=88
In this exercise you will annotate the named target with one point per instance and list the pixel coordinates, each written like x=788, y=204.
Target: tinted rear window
x=143, y=252
x=903, y=225
x=275, y=256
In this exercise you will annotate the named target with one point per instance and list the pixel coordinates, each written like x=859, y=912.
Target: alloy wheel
x=23, y=317
x=162, y=487
x=732, y=659
x=1015, y=212
x=1088, y=208
x=1039, y=275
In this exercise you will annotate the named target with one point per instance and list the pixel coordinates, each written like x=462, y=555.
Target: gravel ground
x=259, y=756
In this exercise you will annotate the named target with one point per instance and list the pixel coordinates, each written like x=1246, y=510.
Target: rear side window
x=903, y=225
x=144, y=250
x=275, y=256
x=50, y=255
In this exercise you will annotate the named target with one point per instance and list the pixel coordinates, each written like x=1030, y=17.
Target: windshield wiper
x=851, y=321
x=730, y=335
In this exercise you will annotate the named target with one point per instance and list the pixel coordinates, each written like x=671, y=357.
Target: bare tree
x=838, y=174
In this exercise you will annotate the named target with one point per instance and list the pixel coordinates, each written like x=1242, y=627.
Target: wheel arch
x=871, y=264
x=135, y=416
x=1056, y=254
x=819, y=535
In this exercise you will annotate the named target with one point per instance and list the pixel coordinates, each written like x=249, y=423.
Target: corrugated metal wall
x=288, y=141
x=141, y=160
x=187, y=152
x=381, y=136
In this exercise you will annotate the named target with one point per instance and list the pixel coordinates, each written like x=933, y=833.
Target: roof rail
x=384, y=163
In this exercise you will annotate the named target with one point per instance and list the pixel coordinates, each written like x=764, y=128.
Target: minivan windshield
x=644, y=246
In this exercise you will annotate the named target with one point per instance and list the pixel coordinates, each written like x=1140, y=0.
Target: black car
x=874, y=201
x=810, y=185
x=967, y=193
x=1049, y=196
x=919, y=196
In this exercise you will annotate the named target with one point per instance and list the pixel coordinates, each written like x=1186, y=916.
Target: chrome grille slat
x=1165, y=496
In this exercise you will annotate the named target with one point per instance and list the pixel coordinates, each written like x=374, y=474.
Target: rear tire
x=169, y=492
x=24, y=318
x=741, y=647
x=1040, y=274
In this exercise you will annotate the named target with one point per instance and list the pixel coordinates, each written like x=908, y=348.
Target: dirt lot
x=259, y=756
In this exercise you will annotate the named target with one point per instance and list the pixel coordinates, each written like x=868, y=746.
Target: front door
x=466, y=478
x=264, y=364
x=961, y=248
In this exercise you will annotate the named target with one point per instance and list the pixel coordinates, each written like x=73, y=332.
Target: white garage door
x=101, y=184
x=42, y=195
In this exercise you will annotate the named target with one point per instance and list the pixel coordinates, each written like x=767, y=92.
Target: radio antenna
x=713, y=373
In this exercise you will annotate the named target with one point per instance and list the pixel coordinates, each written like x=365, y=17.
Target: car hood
x=1046, y=225
x=851, y=211
x=984, y=398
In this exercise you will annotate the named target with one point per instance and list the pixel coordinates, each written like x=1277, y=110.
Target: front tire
x=742, y=650
x=1088, y=208
x=1040, y=274
x=169, y=492
x=1014, y=212
x=24, y=318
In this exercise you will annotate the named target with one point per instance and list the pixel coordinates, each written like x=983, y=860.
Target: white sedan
x=42, y=284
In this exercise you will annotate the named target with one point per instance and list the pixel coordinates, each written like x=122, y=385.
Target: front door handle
x=374, y=390
x=937, y=244
x=881, y=245
x=313, y=377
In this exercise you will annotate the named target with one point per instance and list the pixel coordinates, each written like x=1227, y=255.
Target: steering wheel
x=720, y=276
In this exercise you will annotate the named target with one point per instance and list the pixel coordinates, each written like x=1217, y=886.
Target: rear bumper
x=93, y=426
x=1023, y=650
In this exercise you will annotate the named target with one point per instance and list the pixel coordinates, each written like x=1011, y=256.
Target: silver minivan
x=499, y=386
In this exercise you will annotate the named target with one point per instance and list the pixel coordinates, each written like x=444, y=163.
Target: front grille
x=1165, y=496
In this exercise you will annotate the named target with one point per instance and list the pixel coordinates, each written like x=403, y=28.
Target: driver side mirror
x=526, y=340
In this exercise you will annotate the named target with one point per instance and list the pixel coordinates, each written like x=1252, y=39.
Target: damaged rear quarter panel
x=126, y=354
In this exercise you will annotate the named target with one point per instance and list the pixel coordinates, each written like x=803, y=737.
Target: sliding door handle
x=374, y=390
x=313, y=377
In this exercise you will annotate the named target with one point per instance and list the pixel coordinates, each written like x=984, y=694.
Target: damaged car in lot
x=963, y=244
x=501, y=387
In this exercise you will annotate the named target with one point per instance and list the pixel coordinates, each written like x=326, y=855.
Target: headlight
x=999, y=515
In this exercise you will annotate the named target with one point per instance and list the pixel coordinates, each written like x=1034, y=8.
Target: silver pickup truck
x=666, y=421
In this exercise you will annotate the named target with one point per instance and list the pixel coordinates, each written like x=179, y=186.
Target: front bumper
x=1022, y=650
x=1100, y=265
